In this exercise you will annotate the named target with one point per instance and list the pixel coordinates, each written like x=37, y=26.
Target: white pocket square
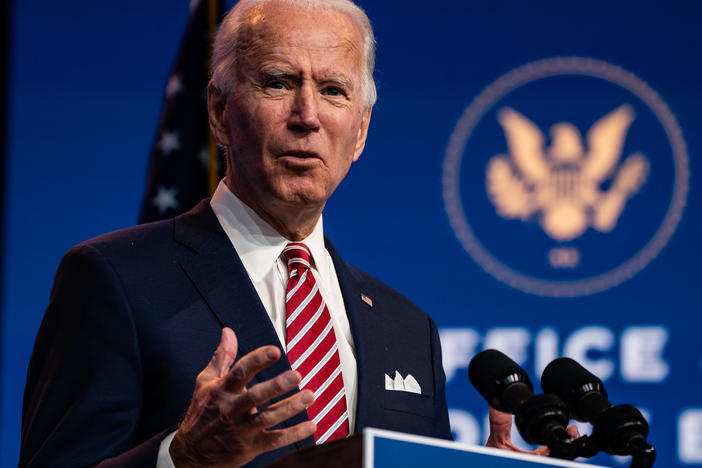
x=408, y=384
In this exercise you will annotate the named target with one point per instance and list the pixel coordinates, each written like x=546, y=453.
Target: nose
x=304, y=114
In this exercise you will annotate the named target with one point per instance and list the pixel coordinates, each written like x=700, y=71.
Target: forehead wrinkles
x=264, y=37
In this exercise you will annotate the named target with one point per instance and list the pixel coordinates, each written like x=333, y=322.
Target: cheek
x=254, y=120
x=347, y=139
x=342, y=126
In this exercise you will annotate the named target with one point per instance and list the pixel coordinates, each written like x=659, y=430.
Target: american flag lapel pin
x=367, y=300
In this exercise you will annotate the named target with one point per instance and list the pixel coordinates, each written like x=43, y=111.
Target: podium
x=378, y=448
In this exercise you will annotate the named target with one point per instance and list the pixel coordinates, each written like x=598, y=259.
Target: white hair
x=225, y=49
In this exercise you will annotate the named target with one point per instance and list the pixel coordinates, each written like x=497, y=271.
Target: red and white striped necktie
x=312, y=349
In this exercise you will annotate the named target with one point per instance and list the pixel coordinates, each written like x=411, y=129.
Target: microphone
x=619, y=430
x=541, y=419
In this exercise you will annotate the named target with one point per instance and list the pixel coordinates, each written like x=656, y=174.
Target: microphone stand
x=644, y=455
x=586, y=446
x=618, y=430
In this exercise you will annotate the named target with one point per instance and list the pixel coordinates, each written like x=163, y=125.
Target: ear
x=216, y=105
x=362, y=134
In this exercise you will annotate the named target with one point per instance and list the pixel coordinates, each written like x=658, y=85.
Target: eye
x=334, y=91
x=275, y=84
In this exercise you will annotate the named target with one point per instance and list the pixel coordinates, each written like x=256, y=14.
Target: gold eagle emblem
x=562, y=186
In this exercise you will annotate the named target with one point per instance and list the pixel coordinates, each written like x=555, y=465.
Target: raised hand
x=222, y=426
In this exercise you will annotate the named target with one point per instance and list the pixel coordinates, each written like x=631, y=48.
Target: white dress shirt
x=260, y=249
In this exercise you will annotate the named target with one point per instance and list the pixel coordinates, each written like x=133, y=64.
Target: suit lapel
x=367, y=331
x=221, y=279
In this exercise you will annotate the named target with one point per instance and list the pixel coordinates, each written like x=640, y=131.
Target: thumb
x=500, y=429
x=224, y=355
x=501, y=434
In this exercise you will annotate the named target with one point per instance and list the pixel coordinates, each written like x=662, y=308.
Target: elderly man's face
x=296, y=119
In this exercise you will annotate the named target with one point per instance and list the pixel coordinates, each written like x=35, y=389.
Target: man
x=135, y=315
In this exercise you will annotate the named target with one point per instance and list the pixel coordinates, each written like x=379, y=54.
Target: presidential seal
x=565, y=177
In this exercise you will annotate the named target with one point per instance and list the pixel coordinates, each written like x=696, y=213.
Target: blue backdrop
x=584, y=242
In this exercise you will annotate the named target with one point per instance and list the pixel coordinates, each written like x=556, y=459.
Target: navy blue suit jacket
x=136, y=314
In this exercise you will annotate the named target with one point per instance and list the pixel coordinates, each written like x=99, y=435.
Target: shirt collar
x=258, y=244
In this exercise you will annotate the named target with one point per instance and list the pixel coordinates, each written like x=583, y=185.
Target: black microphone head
x=572, y=382
x=491, y=371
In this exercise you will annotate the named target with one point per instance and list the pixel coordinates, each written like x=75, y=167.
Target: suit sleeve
x=82, y=400
x=442, y=428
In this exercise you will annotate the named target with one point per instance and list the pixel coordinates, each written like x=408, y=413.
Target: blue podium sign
x=383, y=448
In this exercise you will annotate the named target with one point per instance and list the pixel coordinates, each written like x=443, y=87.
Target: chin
x=303, y=192
x=302, y=197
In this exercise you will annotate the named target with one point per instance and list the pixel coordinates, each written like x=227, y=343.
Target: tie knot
x=298, y=255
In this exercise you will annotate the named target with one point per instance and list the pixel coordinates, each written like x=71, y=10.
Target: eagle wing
x=605, y=141
x=526, y=145
x=508, y=193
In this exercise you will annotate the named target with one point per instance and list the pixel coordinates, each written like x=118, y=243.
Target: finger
x=500, y=429
x=271, y=440
x=245, y=403
x=507, y=445
x=249, y=365
x=223, y=357
x=501, y=434
x=573, y=432
x=283, y=410
x=265, y=391
x=542, y=451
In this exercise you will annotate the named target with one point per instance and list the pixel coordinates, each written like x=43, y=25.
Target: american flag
x=185, y=163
